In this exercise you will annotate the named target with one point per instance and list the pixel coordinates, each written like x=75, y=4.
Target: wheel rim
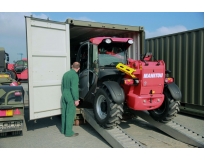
x=101, y=107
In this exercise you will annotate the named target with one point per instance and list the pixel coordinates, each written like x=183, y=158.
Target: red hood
x=10, y=66
x=98, y=40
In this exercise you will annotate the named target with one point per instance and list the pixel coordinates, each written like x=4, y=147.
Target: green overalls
x=70, y=93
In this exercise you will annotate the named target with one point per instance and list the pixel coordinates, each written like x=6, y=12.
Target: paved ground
x=46, y=134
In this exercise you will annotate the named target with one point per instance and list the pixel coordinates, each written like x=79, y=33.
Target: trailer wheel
x=107, y=113
x=167, y=111
x=15, y=133
x=13, y=75
x=4, y=134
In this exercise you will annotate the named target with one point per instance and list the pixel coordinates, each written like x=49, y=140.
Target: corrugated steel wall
x=183, y=54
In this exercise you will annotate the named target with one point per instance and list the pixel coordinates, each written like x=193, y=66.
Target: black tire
x=167, y=111
x=17, y=133
x=4, y=134
x=107, y=113
x=13, y=75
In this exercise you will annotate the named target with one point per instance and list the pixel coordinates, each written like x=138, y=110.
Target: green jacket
x=69, y=86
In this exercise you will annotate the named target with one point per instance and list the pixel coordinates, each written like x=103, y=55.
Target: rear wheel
x=167, y=111
x=107, y=113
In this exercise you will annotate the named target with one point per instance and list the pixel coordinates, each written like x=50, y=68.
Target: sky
x=13, y=32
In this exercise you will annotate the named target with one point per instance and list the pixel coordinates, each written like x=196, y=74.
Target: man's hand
x=77, y=103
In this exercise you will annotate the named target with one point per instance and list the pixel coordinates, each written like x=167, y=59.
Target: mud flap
x=175, y=91
x=116, y=91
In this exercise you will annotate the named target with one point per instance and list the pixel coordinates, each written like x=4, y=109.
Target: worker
x=69, y=99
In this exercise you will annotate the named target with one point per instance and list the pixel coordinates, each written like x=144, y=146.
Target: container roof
x=81, y=31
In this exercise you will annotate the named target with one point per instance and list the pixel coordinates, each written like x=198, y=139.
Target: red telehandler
x=19, y=70
x=113, y=83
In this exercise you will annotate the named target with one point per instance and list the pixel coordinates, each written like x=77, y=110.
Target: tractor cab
x=98, y=58
x=20, y=65
x=110, y=55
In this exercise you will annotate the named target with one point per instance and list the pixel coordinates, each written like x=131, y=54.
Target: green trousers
x=67, y=117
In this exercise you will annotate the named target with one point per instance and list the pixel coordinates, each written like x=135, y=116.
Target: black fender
x=174, y=90
x=116, y=91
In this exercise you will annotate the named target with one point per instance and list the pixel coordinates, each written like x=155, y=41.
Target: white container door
x=48, y=49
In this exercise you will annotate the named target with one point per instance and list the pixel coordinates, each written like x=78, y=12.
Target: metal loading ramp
x=175, y=130
x=116, y=137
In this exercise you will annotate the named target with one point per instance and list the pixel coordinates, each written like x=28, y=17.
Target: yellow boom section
x=126, y=69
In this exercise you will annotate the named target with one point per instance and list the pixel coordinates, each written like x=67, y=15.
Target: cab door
x=83, y=58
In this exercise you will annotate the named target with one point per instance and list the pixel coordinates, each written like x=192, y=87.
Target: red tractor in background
x=113, y=83
x=19, y=70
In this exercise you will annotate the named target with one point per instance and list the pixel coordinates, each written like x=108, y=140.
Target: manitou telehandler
x=113, y=83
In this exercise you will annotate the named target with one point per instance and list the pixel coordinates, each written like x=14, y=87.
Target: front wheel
x=107, y=113
x=167, y=111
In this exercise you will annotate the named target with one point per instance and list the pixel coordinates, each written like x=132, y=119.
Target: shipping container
x=52, y=47
x=183, y=54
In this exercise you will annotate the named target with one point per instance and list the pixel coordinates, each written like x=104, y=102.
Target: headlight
x=107, y=40
x=130, y=41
